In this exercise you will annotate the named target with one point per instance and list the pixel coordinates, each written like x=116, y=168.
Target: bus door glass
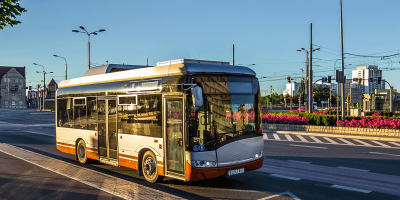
x=173, y=126
x=107, y=116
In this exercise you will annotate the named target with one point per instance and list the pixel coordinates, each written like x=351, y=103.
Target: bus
x=184, y=119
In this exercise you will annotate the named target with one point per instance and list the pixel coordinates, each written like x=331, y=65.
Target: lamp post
x=44, y=81
x=308, y=84
x=65, y=65
x=88, y=34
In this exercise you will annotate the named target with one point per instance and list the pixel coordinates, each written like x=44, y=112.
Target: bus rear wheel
x=149, y=167
x=81, y=152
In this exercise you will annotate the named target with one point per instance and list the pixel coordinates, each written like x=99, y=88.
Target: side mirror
x=197, y=96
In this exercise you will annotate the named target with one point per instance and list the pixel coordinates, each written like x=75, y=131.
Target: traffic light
x=288, y=78
x=379, y=80
x=329, y=79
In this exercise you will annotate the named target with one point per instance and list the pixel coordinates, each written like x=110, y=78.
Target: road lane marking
x=281, y=194
x=330, y=140
x=379, y=143
x=285, y=177
x=351, y=189
x=276, y=136
x=345, y=141
x=362, y=142
x=37, y=133
x=315, y=139
x=288, y=137
x=394, y=143
x=126, y=189
x=297, y=161
x=350, y=168
x=388, y=154
x=309, y=146
x=302, y=138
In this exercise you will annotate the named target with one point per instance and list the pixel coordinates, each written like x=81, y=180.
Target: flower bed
x=284, y=119
x=376, y=121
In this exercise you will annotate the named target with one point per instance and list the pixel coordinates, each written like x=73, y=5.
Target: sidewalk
x=336, y=135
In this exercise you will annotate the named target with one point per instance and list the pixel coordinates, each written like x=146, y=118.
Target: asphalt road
x=32, y=168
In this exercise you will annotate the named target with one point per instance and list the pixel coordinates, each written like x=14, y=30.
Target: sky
x=265, y=33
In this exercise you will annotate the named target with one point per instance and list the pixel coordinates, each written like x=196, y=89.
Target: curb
x=389, y=139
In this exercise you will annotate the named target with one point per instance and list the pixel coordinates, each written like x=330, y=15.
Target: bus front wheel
x=149, y=167
x=81, y=152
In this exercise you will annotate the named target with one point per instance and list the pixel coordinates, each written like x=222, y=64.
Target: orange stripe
x=128, y=163
x=127, y=156
x=66, y=149
x=71, y=145
x=92, y=155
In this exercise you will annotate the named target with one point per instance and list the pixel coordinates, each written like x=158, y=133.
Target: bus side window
x=91, y=113
x=67, y=110
x=61, y=112
x=149, y=115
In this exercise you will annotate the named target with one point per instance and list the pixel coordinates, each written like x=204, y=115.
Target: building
x=13, y=87
x=35, y=98
x=366, y=78
x=291, y=88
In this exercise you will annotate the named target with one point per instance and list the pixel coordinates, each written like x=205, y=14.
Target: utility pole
x=270, y=94
x=310, y=86
x=342, y=62
x=233, y=54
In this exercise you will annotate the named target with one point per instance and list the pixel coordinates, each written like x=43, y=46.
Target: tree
x=9, y=10
x=321, y=93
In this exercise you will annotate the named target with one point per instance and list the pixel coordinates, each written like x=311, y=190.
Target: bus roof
x=106, y=73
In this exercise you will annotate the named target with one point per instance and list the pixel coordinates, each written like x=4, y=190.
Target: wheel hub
x=149, y=166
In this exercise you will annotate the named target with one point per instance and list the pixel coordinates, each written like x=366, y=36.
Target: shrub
x=317, y=119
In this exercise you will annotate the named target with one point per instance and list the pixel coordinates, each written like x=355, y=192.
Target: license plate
x=235, y=171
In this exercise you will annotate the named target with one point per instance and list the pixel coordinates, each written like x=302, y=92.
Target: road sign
x=324, y=79
x=313, y=99
x=340, y=98
x=306, y=98
x=395, y=98
x=324, y=102
x=356, y=95
x=290, y=98
x=371, y=80
x=355, y=80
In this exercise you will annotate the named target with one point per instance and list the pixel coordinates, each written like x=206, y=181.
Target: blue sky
x=265, y=33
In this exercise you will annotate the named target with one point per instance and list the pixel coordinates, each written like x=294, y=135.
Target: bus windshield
x=230, y=110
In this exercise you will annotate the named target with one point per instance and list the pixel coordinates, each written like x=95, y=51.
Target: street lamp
x=308, y=85
x=65, y=65
x=88, y=34
x=44, y=81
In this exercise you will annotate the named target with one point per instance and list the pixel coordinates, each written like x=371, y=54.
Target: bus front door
x=107, y=128
x=174, y=140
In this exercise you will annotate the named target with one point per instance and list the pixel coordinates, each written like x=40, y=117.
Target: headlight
x=258, y=155
x=202, y=163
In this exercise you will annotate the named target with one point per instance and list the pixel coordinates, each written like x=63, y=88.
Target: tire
x=81, y=152
x=149, y=167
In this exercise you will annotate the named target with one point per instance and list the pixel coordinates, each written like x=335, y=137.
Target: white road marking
x=330, y=140
x=297, y=161
x=345, y=141
x=37, y=133
x=362, y=142
x=379, y=143
x=285, y=177
x=302, y=138
x=351, y=189
x=281, y=194
x=394, y=143
x=315, y=139
x=388, y=154
x=350, y=168
x=288, y=137
x=309, y=146
x=276, y=136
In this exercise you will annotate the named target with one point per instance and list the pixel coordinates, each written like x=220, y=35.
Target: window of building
x=20, y=103
x=6, y=94
x=6, y=103
x=20, y=94
x=16, y=80
x=13, y=103
x=13, y=94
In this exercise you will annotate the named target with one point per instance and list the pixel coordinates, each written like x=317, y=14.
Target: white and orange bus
x=186, y=119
